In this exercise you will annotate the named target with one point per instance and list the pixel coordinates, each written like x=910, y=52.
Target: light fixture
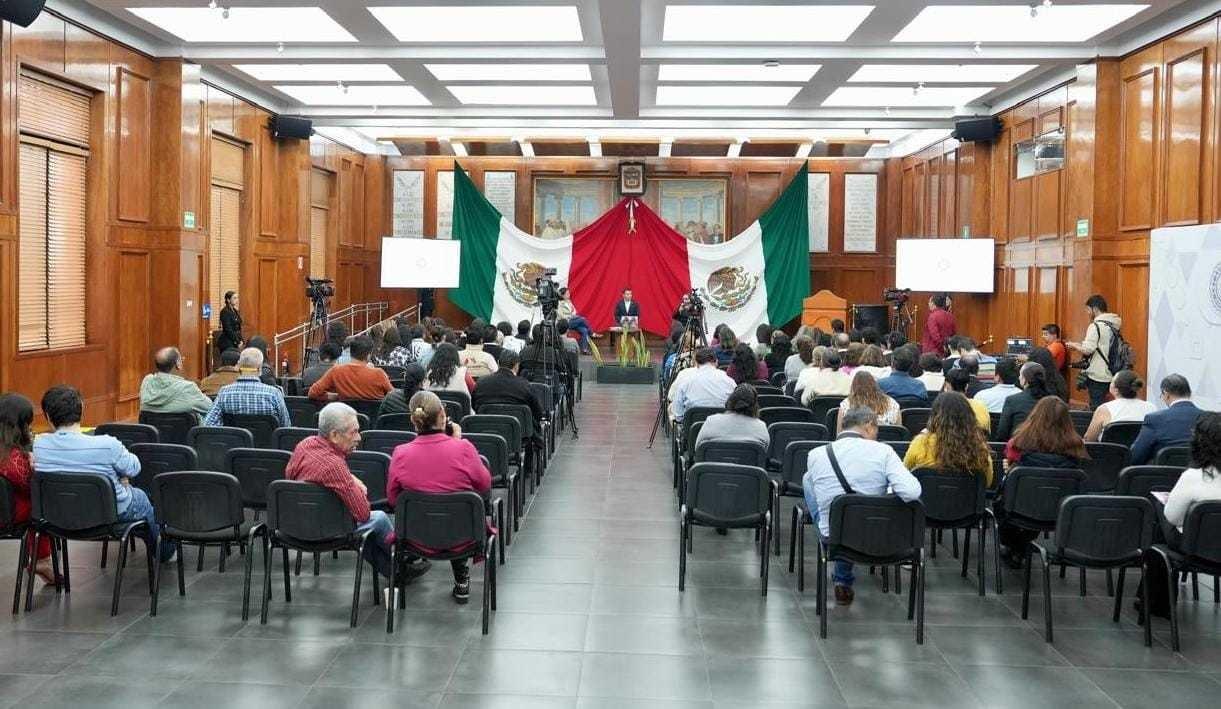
x=712, y=95
x=359, y=95
x=979, y=48
x=342, y=86
x=315, y=73
x=762, y=23
x=537, y=95
x=766, y=72
x=939, y=73
x=1046, y=3
x=1009, y=24
x=481, y=23
x=509, y=72
x=917, y=88
x=771, y=63
x=279, y=47
x=211, y=4
x=1034, y=11
x=886, y=110
x=224, y=13
x=245, y=25
x=882, y=96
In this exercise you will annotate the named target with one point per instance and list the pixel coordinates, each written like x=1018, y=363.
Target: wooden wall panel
x=1187, y=136
x=1047, y=205
x=134, y=156
x=135, y=348
x=1141, y=109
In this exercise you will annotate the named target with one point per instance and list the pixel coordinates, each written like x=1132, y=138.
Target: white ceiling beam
x=463, y=53
x=817, y=53
x=620, y=22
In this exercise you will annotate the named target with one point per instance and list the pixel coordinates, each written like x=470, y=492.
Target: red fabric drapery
x=629, y=247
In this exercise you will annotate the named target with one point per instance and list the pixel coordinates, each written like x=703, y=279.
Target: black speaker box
x=291, y=127
x=982, y=130
x=21, y=12
x=875, y=316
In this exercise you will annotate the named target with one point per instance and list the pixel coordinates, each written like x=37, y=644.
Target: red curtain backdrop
x=610, y=255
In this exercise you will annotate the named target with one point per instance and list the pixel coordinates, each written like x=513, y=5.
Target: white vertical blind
x=32, y=253
x=317, y=241
x=224, y=268
x=65, y=250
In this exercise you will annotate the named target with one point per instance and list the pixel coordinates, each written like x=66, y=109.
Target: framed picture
x=695, y=208
x=563, y=205
x=631, y=178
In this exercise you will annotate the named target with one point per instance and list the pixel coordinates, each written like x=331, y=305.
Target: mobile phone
x=449, y=427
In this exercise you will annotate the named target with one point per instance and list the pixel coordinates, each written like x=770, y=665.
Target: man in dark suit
x=504, y=387
x=1169, y=427
x=626, y=307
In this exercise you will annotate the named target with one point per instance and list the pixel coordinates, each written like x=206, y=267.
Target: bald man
x=166, y=392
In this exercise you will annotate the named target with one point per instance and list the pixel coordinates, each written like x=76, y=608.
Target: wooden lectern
x=821, y=308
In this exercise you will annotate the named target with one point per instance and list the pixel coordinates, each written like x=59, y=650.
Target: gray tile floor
x=590, y=616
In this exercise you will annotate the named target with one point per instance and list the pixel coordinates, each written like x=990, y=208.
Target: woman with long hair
x=396, y=401
x=16, y=466
x=852, y=357
x=864, y=392
x=1123, y=406
x=763, y=341
x=823, y=377
x=800, y=359
x=446, y=373
x=727, y=342
x=230, y=325
x=874, y=362
x=745, y=367
x=1032, y=378
x=953, y=441
x=1054, y=380
x=739, y=422
x=392, y=352
x=781, y=349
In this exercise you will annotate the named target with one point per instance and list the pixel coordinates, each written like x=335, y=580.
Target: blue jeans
x=581, y=325
x=141, y=509
x=377, y=551
x=841, y=572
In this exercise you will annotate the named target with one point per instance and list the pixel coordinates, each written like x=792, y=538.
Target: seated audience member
x=223, y=375
x=900, y=384
x=869, y=468
x=323, y=460
x=540, y=358
x=67, y=450
x=841, y=342
x=1055, y=346
x=745, y=367
x=726, y=343
x=823, y=378
x=865, y=394
x=874, y=362
x=396, y=401
x=505, y=387
x=422, y=344
x=438, y=461
x=969, y=363
x=960, y=346
x=328, y=353
x=562, y=328
x=931, y=373
x=794, y=363
x=166, y=392
x=779, y=354
x=524, y=329
x=852, y=358
x=16, y=415
x=445, y=372
x=1006, y=386
x=511, y=342
x=1055, y=381
x=355, y=380
x=392, y=353
x=1123, y=406
x=248, y=395
x=1032, y=378
x=837, y=327
x=740, y=422
x=894, y=340
x=576, y=322
x=491, y=342
x=855, y=336
x=958, y=380
x=266, y=374
x=337, y=332
x=763, y=341
x=477, y=362
x=1170, y=427
x=953, y=441
x=702, y=385
x=1046, y=439
x=870, y=336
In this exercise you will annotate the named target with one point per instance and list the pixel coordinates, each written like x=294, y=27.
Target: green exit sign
x=1083, y=228
x=188, y=220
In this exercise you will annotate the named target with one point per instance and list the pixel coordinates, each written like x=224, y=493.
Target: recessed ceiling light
x=362, y=95
x=939, y=73
x=736, y=72
x=725, y=95
x=903, y=96
x=510, y=72
x=245, y=24
x=496, y=95
x=1013, y=23
x=762, y=23
x=481, y=23
x=319, y=72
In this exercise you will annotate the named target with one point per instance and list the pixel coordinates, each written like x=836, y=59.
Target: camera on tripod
x=693, y=305
x=897, y=296
x=548, y=292
x=317, y=289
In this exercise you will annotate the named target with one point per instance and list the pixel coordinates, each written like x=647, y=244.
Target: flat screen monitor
x=949, y=265
x=420, y=263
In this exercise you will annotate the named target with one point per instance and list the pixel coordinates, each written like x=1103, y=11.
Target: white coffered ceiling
x=649, y=69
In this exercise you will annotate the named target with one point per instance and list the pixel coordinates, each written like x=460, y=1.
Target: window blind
x=317, y=241
x=32, y=253
x=224, y=268
x=48, y=109
x=65, y=250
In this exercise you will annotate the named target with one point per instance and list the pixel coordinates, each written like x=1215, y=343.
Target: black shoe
x=1012, y=560
x=414, y=570
x=722, y=531
x=462, y=592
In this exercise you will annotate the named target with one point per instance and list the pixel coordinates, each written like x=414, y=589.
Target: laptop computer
x=1018, y=345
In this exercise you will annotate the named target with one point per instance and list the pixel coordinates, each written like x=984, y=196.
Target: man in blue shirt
x=67, y=450
x=869, y=467
x=701, y=385
x=994, y=396
x=900, y=384
x=248, y=395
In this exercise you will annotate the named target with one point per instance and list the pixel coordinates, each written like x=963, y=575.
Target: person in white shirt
x=823, y=378
x=1202, y=481
x=873, y=362
x=868, y=467
x=1124, y=406
x=477, y=362
x=701, y=385
x=931, y=372
x=994, y=396
x=509, y=342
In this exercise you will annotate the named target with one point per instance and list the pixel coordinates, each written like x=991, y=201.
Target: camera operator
x=940, y=325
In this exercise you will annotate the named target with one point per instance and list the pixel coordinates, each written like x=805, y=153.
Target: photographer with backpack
x=1104, y=351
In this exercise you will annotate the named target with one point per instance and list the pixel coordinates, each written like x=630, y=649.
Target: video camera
x=317, y=289
x=694, y=305
x=548, y=292
x=897, y=296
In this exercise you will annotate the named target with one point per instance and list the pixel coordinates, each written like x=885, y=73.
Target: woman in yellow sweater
x=953, y=441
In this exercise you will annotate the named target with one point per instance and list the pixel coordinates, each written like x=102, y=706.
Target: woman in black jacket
x=230, y=337
x=1033, y=380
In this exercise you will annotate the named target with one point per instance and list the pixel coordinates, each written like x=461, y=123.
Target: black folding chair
x=1199, y=550
x=10, y=529
x=302, y=410
x=887, y=432
x=372, y=467
x=261, y=426
x=1081, y=420
x=531, y=444
x=494, y=451
x=461, y=398
x=1097, y=532
x=203, y=508
x=793, y=467
x=1031, y=501
x=954, y=500
x=171, y=428
x=213, y=443
x=366, y=407
x=508, y=428
x=286, y=439
x=1178, y=456
x=547, y=398
x=777, y=414
x=443, y=527
x=878, y=530
x=724, y=496
x=385, y=441
x=395, y=422
x=774, y=400
x=833, y=421
x=1122, y=432
x=821, y=406
x=129, y=434
x=311, y=518
x=915, y=420
x=1141, y=480
x=765, y=388
x=1103, y=466
x=393, y=372
x=158, y=458
x=684, y=441
x=778, y=379
x=785, y=432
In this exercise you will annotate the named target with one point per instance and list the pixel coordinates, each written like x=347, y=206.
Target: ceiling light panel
x=736, y=72
x=903, y=96
x=510, y=72
x=481, y=23
x=708, y=95
x=762, y=23
x=319, y=72
x=245, y=24
x=497, y=95
x=361, y=95
x=940, y=73
x=1007, y=24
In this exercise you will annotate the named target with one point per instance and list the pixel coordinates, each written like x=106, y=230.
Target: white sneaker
x=172, y=559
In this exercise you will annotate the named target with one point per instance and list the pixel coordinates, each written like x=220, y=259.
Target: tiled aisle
x=590, y=616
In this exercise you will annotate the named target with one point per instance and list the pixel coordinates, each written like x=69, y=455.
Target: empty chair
x=367, y=407
x=1199, y=549
x=372, y=467
x=206, y=509
x=1081, y=420
x=790, y=389
x=444, y=527
x=726, y=495
x=774, y=400
x=395, y=422
x=530, y=443
x=916, y=419
x=13, y=530
x=551, y=406
x=393, y=372
x=303, y=411
x=1103, y=466
x=286, y=439
x=955, y=500
x=886, y=432
x=1122, y=432
x=778, y=379
x=763, y=388
x=684, y=440
x=900, y=447
x=385, y=441
x=783, y=433
x=752, y=453
x=255, y=469
x=213, y=443
x=159, y=458
x=820, y=406
x=793, y=467
x=260, y=426
x=1096, y=532
x=461, y=398
x=508, y=428
x=1178, y=456
x=495, y=453
x=129, y=434
x=1140, y=480
x=1032, y=502
x=311, y=518
x=776, y=414
x=171, y=428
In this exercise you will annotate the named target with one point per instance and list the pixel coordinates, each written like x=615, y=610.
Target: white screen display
x=949, y=265
x=420, y=263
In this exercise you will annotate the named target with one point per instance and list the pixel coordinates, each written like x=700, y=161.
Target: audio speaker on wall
x=294, y=127
x=875, y=316
x=21, y=12
x=983, y=130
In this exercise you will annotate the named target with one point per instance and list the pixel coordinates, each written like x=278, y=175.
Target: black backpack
x=1119, y=355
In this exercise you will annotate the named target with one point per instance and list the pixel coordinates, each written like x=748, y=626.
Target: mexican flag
x=761, y=275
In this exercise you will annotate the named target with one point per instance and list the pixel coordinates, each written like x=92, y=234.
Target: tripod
x=694, y=337
x=315, y=331
x=555, y=365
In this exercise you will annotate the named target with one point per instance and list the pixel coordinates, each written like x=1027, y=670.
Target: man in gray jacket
x=1095, y=346
x=166, y=392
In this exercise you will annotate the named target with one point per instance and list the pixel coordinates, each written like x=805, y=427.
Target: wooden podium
x=821, y=308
